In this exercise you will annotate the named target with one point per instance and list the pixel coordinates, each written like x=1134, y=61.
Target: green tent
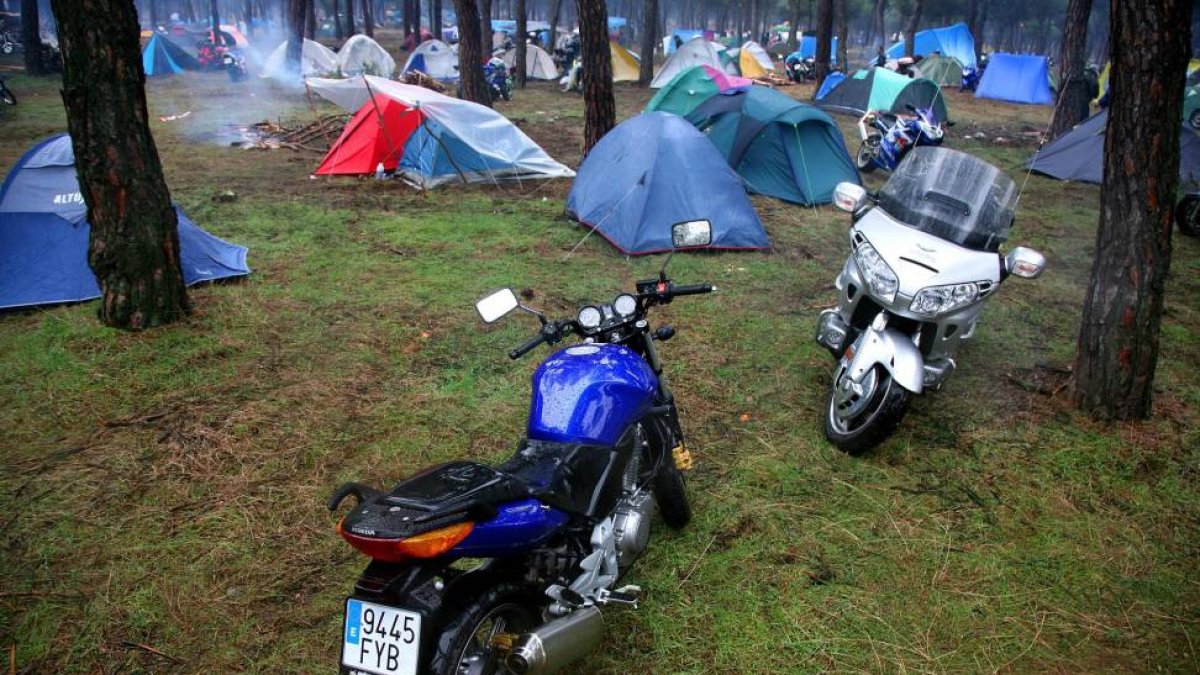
x=689, y=89
x=945, y=71
x=780, y=147
x=883, y=89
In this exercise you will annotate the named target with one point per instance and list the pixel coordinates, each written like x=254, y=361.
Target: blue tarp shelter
x=655, y=170
x=163, y=57
x=955, y=41
x=807, y=49
x=1016, y=78
x=44, y=234
x=1079, y=154
x=684, y=34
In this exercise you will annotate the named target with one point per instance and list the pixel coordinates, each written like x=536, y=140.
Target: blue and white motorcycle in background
x=555, y=527
x=887, y=137
x=925, y=257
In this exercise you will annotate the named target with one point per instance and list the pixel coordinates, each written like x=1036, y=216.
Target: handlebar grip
x=694, y=289
x=529, y=345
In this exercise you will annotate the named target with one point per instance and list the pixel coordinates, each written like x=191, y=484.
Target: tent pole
x=379, y=116
x=446, y=150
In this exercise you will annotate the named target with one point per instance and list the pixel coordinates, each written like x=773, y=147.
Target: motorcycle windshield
x=953, y=196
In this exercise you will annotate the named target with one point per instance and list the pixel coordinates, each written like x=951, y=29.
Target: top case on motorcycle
x=581, y=479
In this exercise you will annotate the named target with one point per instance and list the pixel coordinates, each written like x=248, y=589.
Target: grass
x=166, y=489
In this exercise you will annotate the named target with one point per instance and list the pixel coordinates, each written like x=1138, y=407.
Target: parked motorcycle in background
x=800, y=70
x=887, y=137
x=235, y=65
x=495, y=73
x=970, y=79
x=6, y=95
x=924, y=260
x=557, y=526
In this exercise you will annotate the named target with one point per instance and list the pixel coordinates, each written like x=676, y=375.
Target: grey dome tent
x=1079, y=154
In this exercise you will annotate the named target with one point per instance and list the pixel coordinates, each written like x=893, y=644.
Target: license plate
x=381, y=640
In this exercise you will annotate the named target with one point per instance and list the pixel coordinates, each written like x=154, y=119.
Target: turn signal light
x=428, y=545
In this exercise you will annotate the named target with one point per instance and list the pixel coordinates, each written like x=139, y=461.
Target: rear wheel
x=465, y=643
x=1194, y=119
x=1187, y=214
x=860, y=416
x=867, y=152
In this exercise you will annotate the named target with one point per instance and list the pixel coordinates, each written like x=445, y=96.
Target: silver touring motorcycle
x=925, y=257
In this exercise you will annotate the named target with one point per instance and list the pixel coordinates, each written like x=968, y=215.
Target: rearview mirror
x=1025, y=262
x=691, y=234
x=849, y=197
x=497, y=305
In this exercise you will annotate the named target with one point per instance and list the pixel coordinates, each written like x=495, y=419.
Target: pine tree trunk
x=1119, y=333
x=368, y=19
x=793, y=40
x=877, y=19
x=824, y=40
x=154, y=21
x=1074, y=99
x=435, y=22
x=521, y=31
x=337, y=21
x=470, y=54
x=310, y=19
x=649, y=40
x=247, y=12
x=554, y=27
x=843, y=59
x=599, y=105
x=296, y=15
x=981, y=31
x=214, y=14
x=914, y=22
x=485, y=26
x=133, y=247
x=30, y=35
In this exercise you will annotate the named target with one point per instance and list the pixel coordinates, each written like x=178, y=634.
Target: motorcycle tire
x=8, y=48
x=6, y=95
x=867, y=151
x=1187, y=215
x=877, y=419
x=1194, y=120
x=670, y=493
x=514, y=605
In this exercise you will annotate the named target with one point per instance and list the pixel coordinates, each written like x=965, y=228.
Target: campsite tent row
x=360, y=54
x=440, y=61
x=751, y=60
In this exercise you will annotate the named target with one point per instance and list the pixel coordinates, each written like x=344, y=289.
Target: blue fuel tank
x=590, y=393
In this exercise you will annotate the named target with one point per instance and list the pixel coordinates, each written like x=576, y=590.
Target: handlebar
x=527, y=347
x=694, y=289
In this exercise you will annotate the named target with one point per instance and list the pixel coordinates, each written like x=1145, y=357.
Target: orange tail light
x=428, y=545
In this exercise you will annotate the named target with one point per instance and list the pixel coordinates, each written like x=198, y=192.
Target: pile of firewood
x=314, y=137
x=422, y=80
x=773, y=80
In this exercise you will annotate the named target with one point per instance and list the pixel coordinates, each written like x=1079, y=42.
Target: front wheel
x=1194, y=119
x=1187, y=215
x=867, y=152
x=670, y=493
x=860, y=416
x=8, y=48
x=465, y=643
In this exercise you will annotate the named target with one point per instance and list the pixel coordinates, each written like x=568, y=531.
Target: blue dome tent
x=163, y=57
x=655, y=170
x=1016, y=78
x=955, y=41
x=44, y=234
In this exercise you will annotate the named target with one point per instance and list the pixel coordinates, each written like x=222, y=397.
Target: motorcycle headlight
x=936, y=300
x=879, y=277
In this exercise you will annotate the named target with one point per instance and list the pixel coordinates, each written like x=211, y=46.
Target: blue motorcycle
x=887, y=137
x=495, y=73
x=552, y=530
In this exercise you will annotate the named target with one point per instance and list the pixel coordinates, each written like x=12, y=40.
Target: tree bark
x=824, y=40
x=214, y=14
x=914, y=22
x=519, y=64
x=435, y=22
x=31, y=36
x=982, y=29
x=877, y=20
x=1119, y=333
x=554, y=27
x=793, y=41
x=1074, y=98
x=599, y=105
x=649, y=40
x=368, y=19
x=310, y=19
x=296, y=15
x=843, y=58
x=133, y=246
x=154, y=20
x=337, y=20
x=485, y=25
x=470, y=54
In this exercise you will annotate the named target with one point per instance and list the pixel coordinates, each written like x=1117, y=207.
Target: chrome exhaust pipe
x=557, y=643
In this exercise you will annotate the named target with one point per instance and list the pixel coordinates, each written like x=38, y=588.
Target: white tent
x=759, y=54
x=361, y=55
x=495, y=149
x=434, y=58
x=538, y=64
x=315, y=59
x=696, y=52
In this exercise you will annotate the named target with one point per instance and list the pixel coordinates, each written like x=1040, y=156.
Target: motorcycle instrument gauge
x=589, y=317
x=625, y=305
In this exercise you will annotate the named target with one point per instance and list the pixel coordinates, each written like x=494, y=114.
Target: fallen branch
x=147, y=648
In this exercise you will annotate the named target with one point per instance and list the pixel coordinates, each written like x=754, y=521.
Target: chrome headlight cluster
x=879, y=277
x=625, y=305
x=589, y=317
x=936, y=300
